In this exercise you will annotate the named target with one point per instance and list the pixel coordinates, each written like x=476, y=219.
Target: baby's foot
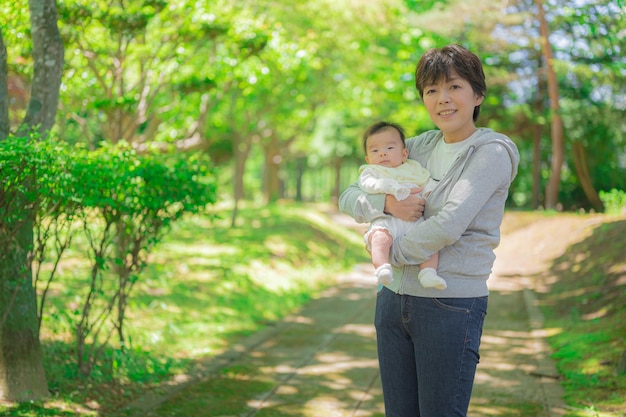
x=429, y=279
x=384, y=274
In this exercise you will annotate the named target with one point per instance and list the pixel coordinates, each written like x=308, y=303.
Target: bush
x=120, y=202
x=614, y=201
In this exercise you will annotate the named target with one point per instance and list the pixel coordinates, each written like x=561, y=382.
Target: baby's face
x=386, y=148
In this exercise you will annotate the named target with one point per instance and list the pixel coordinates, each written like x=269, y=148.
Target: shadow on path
x=318, y=362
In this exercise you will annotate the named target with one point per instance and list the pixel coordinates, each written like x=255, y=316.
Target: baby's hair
x=379, y=127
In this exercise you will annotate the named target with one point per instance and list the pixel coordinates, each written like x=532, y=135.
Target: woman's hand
x=409, y=209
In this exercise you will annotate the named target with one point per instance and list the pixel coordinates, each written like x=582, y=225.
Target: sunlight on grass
x=584, y=296
x=593, y=412
x=201, y=250
x=206, y=285
x=505, y=408
x=46, y=409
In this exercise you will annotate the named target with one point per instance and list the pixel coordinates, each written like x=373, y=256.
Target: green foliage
x=614, y=201
x=116, y=179
x=17, y=170
x=243, y=79
x=130, y=201
x=207, y=286
x=124, y=202
x=421, y=6
x=587, y=304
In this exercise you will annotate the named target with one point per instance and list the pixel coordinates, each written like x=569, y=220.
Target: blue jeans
x=428, y=352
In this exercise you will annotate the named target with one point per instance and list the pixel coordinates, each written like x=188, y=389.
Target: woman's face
x=386, y=148
x=450, y=104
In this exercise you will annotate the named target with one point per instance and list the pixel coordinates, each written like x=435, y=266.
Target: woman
x=428, y=339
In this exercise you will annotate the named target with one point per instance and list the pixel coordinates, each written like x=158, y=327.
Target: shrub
x=614, y=201
x=121, y=202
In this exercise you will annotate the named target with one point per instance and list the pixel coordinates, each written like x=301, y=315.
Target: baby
x=389, y=171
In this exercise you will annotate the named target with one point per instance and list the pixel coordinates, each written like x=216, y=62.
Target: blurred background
x=277, y=93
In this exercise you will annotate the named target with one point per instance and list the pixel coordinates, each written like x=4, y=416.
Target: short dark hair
x=379, y=127
x=436, y=65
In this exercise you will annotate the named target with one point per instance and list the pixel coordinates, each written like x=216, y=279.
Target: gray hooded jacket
x=462, y=216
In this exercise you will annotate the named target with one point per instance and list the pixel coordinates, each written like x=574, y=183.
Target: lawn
x=208, y=285
x=583, y=297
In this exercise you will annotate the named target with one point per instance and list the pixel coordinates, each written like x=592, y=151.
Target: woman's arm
x=488, y=173
x=364, y=208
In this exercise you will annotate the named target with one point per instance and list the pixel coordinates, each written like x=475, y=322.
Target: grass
x=207, y=285
x=584, y=298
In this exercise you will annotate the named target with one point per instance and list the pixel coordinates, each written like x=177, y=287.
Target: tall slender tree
x=21, y=366
x=4, y=90
x=556, y=122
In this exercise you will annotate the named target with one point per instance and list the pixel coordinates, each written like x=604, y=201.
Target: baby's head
x=384, y=144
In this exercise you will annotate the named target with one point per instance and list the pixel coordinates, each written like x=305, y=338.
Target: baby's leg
x=380, y=243
x=432, y=262
x=428, y=274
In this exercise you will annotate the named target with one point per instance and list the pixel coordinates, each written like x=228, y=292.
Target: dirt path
x=516, y=371
x=321, y=361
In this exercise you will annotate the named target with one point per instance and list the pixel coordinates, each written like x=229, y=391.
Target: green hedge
x=614, y=201
x=119, y=201
x=56, y=178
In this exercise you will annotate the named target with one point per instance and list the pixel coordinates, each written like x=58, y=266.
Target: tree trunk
x=536, y=198
x=556, y=127
x=241, y=151
x=337, y=184
x=300, y=169
x=582, y=172
x=21, y=363
x=4, y=90
x=273, y=161
x=48, y=67
x=22, y=376
x=537, y=133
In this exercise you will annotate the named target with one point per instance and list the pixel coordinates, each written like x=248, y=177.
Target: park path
x=321, y=361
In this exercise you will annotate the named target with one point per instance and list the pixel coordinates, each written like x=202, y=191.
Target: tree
x=564, y=128
x=347, y=78
x=129, y=67
x=21, y=366
x=4, y=91
x=591, y=75
x=556, y=123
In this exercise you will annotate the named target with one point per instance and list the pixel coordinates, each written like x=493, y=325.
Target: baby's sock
x=384, y=274
x=429, y=279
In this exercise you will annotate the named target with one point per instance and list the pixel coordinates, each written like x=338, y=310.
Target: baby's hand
x=409, y=209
